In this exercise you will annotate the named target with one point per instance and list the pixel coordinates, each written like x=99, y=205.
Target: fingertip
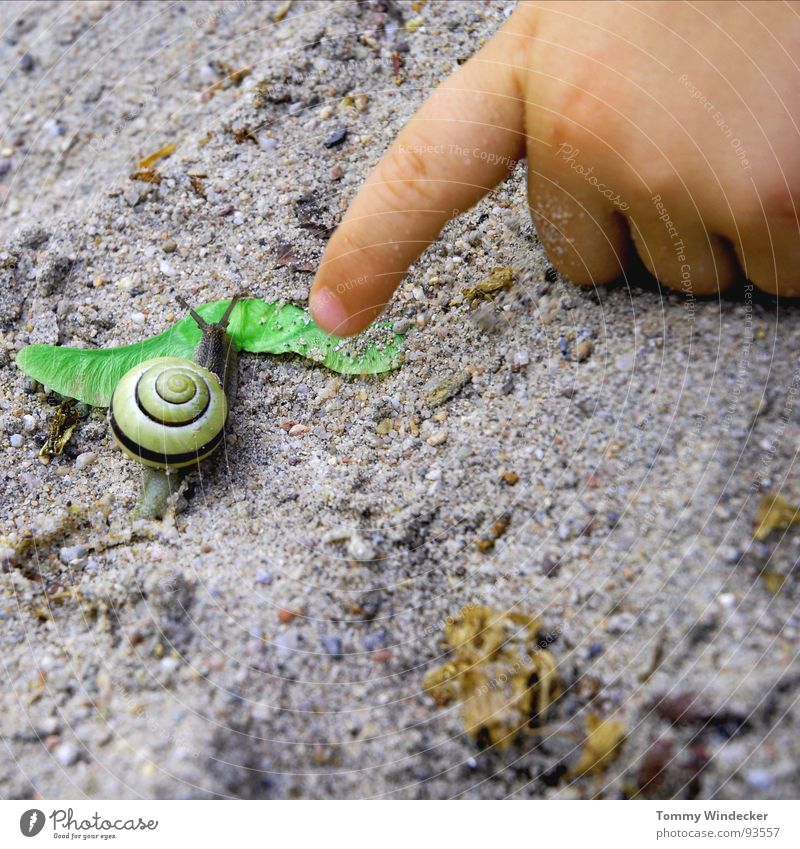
x=328, y=311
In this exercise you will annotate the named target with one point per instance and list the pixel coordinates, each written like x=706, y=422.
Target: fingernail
x=328, y=311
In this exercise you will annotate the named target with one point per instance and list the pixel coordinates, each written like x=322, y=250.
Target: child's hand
x=669, y=129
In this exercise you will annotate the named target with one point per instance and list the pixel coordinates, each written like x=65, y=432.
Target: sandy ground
x=154, y=661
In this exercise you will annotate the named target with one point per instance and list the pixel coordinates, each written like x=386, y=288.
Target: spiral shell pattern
x=168, y=413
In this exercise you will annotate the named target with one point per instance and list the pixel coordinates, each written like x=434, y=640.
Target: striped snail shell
x=168, y=412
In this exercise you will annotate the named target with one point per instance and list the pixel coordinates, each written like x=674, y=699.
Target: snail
x=177, y=369
x=169, y=413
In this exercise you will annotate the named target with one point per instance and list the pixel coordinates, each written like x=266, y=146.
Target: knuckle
x=406, y=177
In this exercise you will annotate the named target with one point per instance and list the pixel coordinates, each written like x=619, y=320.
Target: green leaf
x=257, y=326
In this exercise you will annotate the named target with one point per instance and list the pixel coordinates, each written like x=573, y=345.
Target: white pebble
x=70, y=553
x=138, y=317
x=359, y=549
x=16, y=440
x=438, y=438
x=520, y=358
x=29, y=423
x=84, y=460
x=67, y=754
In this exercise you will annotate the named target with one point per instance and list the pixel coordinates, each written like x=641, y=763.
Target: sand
x=271, y=640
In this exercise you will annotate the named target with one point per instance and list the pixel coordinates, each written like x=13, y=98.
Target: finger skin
x=585, y=238
x=463, y=141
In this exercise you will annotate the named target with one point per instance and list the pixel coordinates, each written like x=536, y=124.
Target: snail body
x=169, y=413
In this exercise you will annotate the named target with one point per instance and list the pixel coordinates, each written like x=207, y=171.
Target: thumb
x=463, y=141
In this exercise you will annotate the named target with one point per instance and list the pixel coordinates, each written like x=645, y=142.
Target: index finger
x=462, y=142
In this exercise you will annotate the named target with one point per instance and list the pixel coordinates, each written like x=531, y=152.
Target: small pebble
x=621, y=623
x=67, y=754
x=93, y=93
x=376, y=641
x=520, y=359
x=333, y=645
x=138, y=318
x=285, y=615
x=26, y=63
x=83, y=461
x=758, y=779
x=438, y=438
x=624, y=362
x=583, y=350
x=336, y=172
x=170, y=246
x=16, y=440
x=298, y=430
x=29, y=423
x=70, y=553
x=336, y=137
x=132, y=195
x=53, y=127
x=359, y=549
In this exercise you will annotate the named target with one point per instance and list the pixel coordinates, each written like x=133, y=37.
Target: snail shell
x=168, y=413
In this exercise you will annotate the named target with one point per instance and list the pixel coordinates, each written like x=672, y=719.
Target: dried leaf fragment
x=496, y=530
x=504, y=680
x=244, y=134
x=603, y=741
x=500, y=278
x=147, y=175
x=230, y=76
x=446, y=388
x=62, y=426
x=196, y=182
x=162, y=153
x=281, y=12
x=774, y=514
x=773, y=581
